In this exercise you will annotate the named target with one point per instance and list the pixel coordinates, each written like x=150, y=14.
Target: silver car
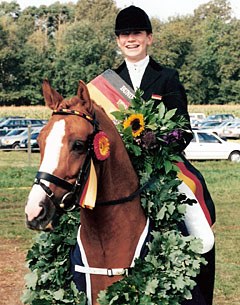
x=233, y=131
x=12, y=139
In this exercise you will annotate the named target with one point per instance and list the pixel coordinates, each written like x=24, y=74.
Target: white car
x=199, y=116
x=208, y=146
x=196, y=118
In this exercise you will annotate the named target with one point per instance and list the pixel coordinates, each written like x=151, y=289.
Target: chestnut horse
x=110, y=231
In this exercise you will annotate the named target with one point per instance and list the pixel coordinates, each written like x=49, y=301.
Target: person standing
x=134, y=36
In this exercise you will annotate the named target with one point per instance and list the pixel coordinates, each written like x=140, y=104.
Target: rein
x=127, y=198
x=70, y=200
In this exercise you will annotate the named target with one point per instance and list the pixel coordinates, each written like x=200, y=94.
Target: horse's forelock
x=76, y=103
x=70, y=102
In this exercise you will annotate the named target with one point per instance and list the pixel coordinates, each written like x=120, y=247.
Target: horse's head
x=65, y=146
x=69, y=158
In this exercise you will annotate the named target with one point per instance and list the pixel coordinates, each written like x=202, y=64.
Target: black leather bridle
x=70, y=200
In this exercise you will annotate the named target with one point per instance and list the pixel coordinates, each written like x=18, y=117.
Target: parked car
x=11, y=132
x=9, y=117
x=3, y=132
x=207, y=146
x=199, y=116
x=208, y=124
x=33, y=142
x=221, y=130
x=12, y=123
x=220, y=117
x=14, y=132
x=13, y=138
x=196, y=118
x=233, y=131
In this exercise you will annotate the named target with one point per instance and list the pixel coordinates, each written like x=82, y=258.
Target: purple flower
x=173, y=136
x=148, y=140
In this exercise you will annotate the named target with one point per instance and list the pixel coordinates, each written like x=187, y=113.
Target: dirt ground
x=12, y=271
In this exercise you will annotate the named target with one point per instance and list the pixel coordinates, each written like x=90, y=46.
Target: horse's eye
x=79, y=146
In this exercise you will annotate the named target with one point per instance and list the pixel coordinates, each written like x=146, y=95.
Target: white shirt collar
x=139, y=66
x=136, y=71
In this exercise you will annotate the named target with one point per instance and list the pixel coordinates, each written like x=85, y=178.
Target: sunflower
x=101, y=146
x=136, y=122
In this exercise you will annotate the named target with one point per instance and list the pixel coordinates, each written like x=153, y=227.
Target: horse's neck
x=110, y=234
x=116, y=180
x=116, y=177
x=120, y=224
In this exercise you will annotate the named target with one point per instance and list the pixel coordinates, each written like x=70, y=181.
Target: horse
x=70, y=158
x=84, y=163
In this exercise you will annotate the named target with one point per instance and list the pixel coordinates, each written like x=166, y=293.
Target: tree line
x=68, y=42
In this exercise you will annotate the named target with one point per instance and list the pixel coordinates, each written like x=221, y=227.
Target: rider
x=134, y=36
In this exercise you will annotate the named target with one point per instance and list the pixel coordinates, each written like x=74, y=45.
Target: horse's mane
x=118, y=150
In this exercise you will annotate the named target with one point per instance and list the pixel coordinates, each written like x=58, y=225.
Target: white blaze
x=49, y=164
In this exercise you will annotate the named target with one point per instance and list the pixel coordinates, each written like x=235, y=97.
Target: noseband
x=70, y=200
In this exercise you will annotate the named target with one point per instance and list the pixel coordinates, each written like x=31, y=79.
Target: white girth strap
x=102, y=271
x=113, y=271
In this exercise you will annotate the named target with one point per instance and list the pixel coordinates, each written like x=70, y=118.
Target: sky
x=154, y=8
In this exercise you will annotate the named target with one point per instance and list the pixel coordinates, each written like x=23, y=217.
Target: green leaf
x=31, y=279
x=118, y=115
x=168, y=166
x=170, y=114
x=161, y=111
x=160, y=215
x=58, y=295
x=151, y=286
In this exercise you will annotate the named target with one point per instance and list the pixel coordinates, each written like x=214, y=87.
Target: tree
x=96, y=11
x=211, y=26
x=172, y=42
x=68, y=42
x=83, y=55
x=10, y=8
x=218, y=8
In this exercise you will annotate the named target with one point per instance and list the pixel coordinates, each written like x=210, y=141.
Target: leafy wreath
x=167, y=273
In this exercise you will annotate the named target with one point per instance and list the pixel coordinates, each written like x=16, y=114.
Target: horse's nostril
x=42, y=215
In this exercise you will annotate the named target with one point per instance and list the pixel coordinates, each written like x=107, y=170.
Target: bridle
x=70, y=200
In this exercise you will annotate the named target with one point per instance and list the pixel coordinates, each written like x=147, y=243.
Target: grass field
x=222, y=178
x=42, y=112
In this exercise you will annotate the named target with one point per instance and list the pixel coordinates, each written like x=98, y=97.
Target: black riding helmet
x=132, y=18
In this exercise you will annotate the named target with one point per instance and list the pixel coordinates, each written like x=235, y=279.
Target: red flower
x=101, y=146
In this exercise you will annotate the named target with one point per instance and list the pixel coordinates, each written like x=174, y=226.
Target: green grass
x=222, y=178
x=15, y=182
x=223, y=181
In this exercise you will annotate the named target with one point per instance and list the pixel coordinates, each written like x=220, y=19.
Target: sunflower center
x=135, y=125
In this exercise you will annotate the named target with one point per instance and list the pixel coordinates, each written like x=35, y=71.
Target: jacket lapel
x=122, y=71
x=151, y=74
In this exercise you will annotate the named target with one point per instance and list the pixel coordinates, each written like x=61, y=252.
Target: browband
x=78, y=113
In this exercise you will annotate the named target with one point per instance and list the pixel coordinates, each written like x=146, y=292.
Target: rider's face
x=134, y=44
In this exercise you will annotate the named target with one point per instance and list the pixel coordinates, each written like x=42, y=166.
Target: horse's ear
x=52, y=97
x=84, y=95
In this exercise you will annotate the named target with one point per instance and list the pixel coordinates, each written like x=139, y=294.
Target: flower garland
x=152, y=135
x=167, y=273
